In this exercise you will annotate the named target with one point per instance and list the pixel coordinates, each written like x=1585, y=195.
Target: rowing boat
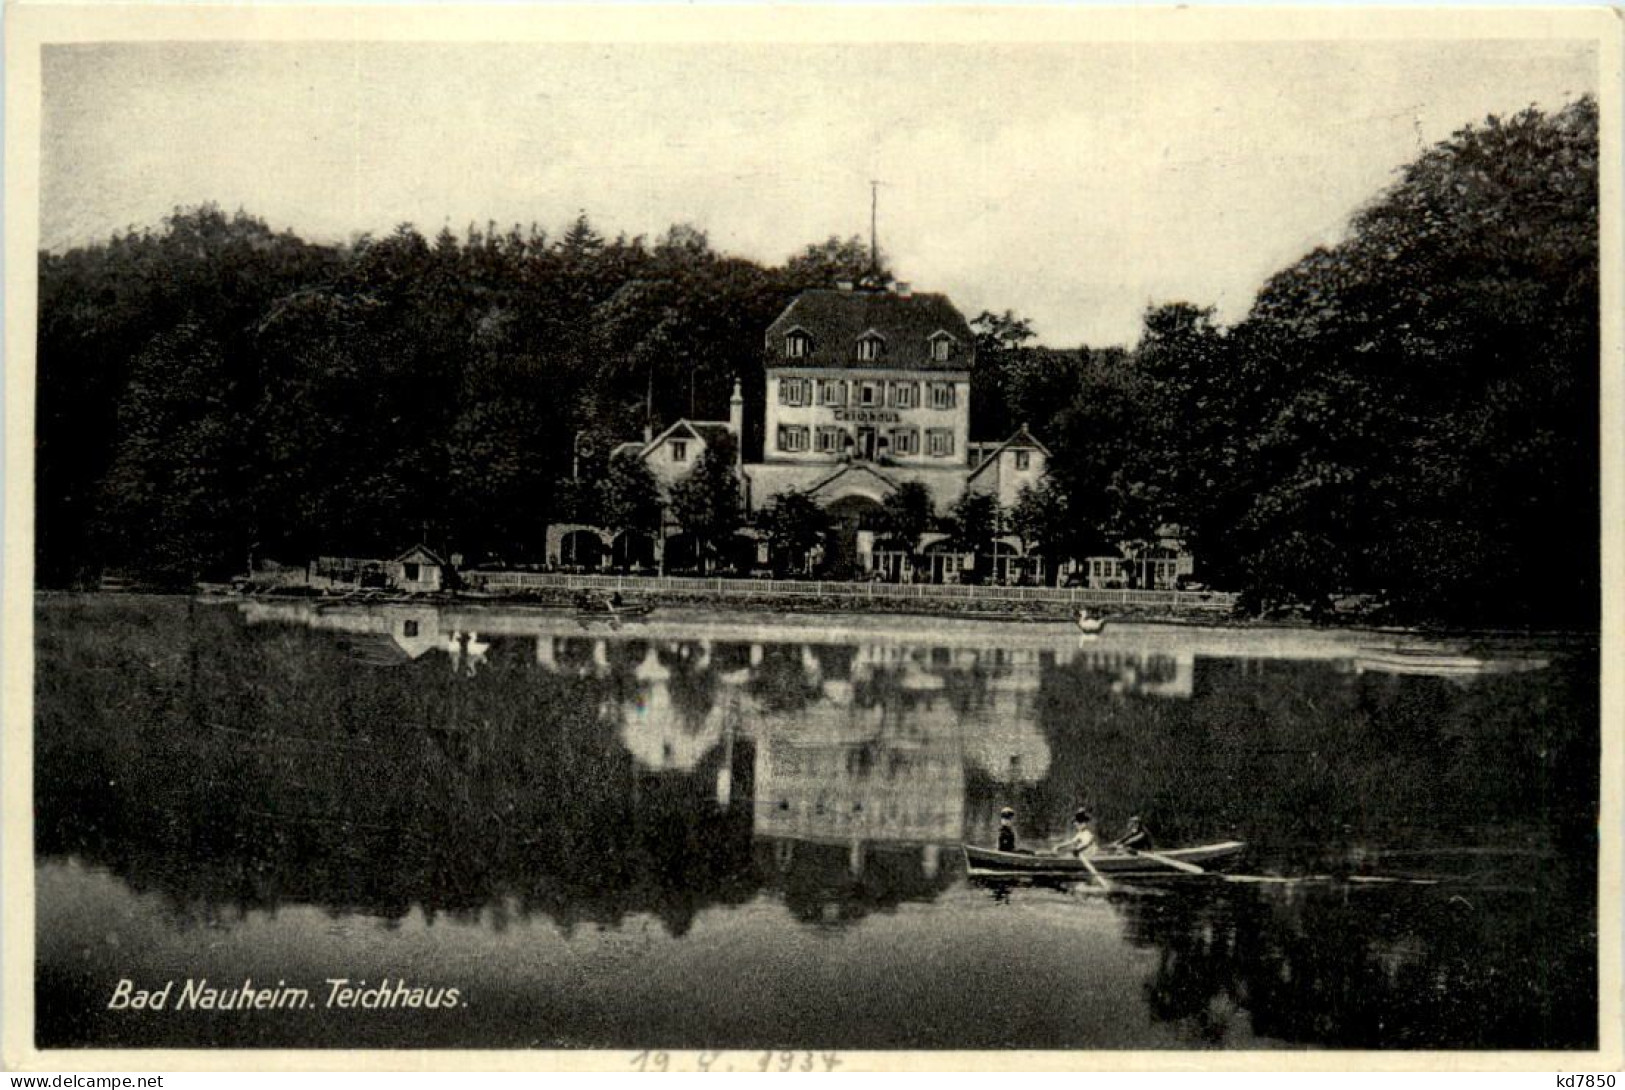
x=988, y=862
x=1432, y=662
x=614, y=613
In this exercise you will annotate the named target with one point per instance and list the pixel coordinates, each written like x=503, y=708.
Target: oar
x=1095, y=874
x=1177, y=864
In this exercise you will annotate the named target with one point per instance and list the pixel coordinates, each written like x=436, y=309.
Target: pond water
x=723, y=830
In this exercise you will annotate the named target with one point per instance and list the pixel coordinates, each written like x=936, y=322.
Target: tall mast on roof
x=874, y=234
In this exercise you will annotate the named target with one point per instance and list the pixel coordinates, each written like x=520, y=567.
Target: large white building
x=866, y=389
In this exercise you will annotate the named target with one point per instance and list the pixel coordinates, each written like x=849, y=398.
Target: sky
x=1075, y=184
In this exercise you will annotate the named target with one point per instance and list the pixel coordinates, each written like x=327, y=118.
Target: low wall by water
x=932, y=597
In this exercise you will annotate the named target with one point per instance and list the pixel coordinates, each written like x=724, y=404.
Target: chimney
x=736, y=418
x=903, y=288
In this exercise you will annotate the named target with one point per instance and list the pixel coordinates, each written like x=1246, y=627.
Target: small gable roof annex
x=1021, y=440
x=419, y=554
x=705, y=431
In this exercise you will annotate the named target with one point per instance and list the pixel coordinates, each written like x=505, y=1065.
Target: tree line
x=1410, y=414
x=212, y=391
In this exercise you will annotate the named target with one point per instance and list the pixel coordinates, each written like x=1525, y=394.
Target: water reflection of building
x=1011, y=661
x=379, y=637
x=842, y=776
x=665, y=724
x=848, y=709
x=871, y=740
x=1166, y=675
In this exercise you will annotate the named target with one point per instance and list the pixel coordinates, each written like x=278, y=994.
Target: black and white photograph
x=775, y=540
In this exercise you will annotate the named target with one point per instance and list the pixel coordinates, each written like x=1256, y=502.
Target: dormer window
x=942, y=347
x=797, y=345
x=870, y=347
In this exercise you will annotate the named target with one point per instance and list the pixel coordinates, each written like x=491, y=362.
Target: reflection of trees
x=966, y=689
x=835, y=660
x=1307, y=764
x=252, y=767
x=510, y=652
x=1407, y=968
x=781, y=682
x=729, y=657
x=573, y=653
x=626, y=656
x=820, y=884
x=693, y=683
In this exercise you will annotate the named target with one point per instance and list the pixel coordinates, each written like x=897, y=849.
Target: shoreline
x=811, y=607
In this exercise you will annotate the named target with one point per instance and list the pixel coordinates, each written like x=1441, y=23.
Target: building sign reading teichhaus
x=867, y=416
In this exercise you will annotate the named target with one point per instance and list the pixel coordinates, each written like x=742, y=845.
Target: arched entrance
x=634, y=549
x=581, y=549
x=738, y=554
x=944, y=561
x=683, y=555
x=1036, y=568
x=854, y=518
x=1006, y=563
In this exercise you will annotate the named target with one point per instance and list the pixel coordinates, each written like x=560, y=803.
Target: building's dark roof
x=710, y=431
x=707, y=431
x=420, y=554
x=835, y=320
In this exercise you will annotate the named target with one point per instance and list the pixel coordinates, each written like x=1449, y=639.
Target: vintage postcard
x=819, y=538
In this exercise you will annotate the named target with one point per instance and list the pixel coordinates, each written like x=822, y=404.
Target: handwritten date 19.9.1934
x=767, y=1060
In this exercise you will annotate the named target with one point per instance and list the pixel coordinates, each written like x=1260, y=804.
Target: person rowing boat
x=1136, y=840
x=1083, y=841
x=1136, y=837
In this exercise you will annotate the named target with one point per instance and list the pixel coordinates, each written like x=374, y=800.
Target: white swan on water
x=1088, y=625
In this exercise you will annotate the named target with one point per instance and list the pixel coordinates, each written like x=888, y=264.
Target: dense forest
x=1411, y=413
